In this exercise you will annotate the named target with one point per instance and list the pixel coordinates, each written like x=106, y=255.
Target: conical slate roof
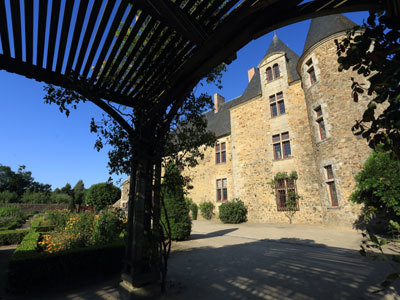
x=292, y=58
x=325, y=26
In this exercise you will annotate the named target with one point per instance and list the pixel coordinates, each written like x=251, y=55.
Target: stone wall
x=342, y=150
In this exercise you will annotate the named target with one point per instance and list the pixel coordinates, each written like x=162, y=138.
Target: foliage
x=206, y=210
x=11, y=217
x=373, y=50
x=370, y=244
x=193, y=207
x=377, y=187
x=233, y=212
x=60, y=198
x=20, y=181
x=108, y=226
x=101, y=195
x=8, y=197
x=79, y=192
x=35, y=197
x=57, y=218
x=175, y=205
x=9, y=237
x=29, y=269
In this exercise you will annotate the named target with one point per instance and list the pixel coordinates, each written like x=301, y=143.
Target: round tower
x=339, y=155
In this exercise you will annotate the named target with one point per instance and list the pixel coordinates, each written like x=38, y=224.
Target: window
x=220, y=153
x=269, y=74
x=273, y=73
x=285, y=188
x=281, y=146
x=311, y=71
x=277, y=73
x=330, y=182
x=222, y=190
x=320, y=121
x=277, y=104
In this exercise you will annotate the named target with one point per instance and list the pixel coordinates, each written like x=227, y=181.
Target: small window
x=269, y=74
x=320, y=122
x=285, y=189
x=277, y=105
x=277, y=73
x=311, y=71
x=331, y=185
x=281, y=146
x=220, y=153
x=222, y=189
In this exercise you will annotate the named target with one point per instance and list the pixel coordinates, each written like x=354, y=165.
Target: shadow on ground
x=286, y=268
x=198, y=236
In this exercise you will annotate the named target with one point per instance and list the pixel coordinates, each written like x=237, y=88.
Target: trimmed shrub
x=101, y=195
x=233, y=212
x=175, y=205
x=194, y=209
x=207, y=210
x=29, y=269
x=10, y=237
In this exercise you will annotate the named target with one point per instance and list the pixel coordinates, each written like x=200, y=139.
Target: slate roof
x=291, y=57
x=325, y=26
x=220, y=122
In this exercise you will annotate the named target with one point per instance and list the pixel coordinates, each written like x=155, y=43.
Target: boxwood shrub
x=207, y=210
x=30, y=269
x=10, y=237
x=233, y=212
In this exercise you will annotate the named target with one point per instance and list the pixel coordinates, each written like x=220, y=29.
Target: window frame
x=220, y=153
x=311, y=72
x=278, y=139
x=284, y=189
x=269, y=73
x=274, y=101
x=319, y=119
x=331, y=186
x=276, y=71
x=222, y=190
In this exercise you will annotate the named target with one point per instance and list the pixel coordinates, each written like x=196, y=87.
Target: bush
x=11, y=217
x=60, y=198
x=194, y=209
x=107, y=227
x=206, y=210
x=233, y=212
x=30, y=269
x=175, y=205
x=10, y=237
x=35, y=197
x=378, y=187
x=101, y=195
x=8, y=197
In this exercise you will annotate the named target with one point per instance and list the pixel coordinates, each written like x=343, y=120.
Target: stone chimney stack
x=218, y=100
x=251, y=73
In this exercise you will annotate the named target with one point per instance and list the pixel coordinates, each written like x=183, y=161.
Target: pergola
x=143, y=54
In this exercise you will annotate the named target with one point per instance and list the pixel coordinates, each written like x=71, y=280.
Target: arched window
x=277, y=74
x=269, y=74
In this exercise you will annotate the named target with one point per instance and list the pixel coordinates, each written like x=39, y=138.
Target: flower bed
x=9, y=237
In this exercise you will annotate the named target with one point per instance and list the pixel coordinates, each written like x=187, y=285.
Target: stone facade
x=316, y=122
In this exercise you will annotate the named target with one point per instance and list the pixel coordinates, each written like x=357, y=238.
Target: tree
x=79, y=192
x=101, y=195
x=176, y=208
x=373, y=50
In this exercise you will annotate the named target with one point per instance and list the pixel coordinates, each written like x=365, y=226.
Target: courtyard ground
x=259, y=261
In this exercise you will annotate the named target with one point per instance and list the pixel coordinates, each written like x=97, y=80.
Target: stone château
x=296, y=115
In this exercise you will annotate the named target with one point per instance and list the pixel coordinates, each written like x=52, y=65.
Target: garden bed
x=10, y=237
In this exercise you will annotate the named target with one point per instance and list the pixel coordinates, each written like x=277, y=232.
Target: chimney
x=251, y=73
x=218, y=100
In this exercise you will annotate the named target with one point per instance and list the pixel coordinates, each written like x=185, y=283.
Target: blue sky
x=57, y=149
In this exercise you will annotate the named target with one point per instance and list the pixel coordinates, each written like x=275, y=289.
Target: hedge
x=9, y=237
x=29, y=269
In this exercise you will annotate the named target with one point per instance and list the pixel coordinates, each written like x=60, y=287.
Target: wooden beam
x=177, y=19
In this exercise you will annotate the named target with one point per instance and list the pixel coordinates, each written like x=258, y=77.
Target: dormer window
x=311, y=71
x=269, y=74
x=277, y=73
